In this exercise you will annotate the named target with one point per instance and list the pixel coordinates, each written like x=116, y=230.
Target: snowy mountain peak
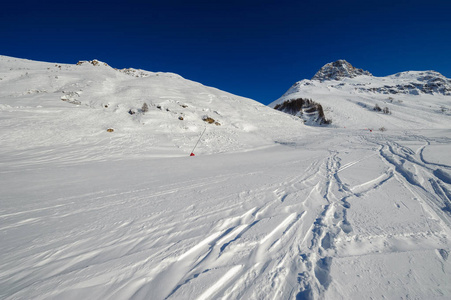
x=349, y=99
x=338, y=70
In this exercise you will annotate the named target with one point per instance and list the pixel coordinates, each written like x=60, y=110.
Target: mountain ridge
x=350, y=98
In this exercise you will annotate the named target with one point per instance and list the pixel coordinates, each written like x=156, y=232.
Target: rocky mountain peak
x=338, y=70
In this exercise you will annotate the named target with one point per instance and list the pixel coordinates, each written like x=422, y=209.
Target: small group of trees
x=385, y=110
x=301, y=105
x=322, y=116
x=144, y=109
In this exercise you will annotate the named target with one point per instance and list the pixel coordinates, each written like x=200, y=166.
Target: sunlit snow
x=268, y=208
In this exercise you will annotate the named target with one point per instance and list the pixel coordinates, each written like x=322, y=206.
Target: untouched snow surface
x=267, y=209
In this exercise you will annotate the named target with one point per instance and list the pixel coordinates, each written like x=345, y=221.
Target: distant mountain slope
x=50, y=103
x=338, y=70
x=352, y=97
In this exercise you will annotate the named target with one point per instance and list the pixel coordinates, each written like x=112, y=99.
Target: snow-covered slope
x=267, y=209
x=68, y=104
x=414, y=99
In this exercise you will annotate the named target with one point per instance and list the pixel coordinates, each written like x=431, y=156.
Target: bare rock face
x=412, y=82
x=338, y=70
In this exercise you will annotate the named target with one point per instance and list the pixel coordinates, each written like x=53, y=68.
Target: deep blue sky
x=256, y=49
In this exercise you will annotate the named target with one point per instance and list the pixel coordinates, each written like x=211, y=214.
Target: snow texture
x=269, y=208
x=408, y=100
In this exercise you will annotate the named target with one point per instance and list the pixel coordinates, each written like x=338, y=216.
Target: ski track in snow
x=322, y=213
x=278, y=237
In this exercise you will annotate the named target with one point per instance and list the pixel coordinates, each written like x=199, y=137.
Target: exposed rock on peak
x=94, y=62
x=338, y=70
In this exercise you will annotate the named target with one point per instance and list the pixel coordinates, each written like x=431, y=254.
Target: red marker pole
x=192, y=152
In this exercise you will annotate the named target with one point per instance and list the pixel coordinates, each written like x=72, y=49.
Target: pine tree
x=145, y=108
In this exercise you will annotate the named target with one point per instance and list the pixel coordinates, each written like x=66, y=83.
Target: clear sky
x=256, y=49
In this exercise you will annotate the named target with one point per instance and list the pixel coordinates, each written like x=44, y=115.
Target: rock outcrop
x=338, y=70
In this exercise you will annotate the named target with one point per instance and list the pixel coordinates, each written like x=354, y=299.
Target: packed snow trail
x=344, y=214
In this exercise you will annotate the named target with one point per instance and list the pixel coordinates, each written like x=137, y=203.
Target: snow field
x=278, y=222
x=267, y=209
